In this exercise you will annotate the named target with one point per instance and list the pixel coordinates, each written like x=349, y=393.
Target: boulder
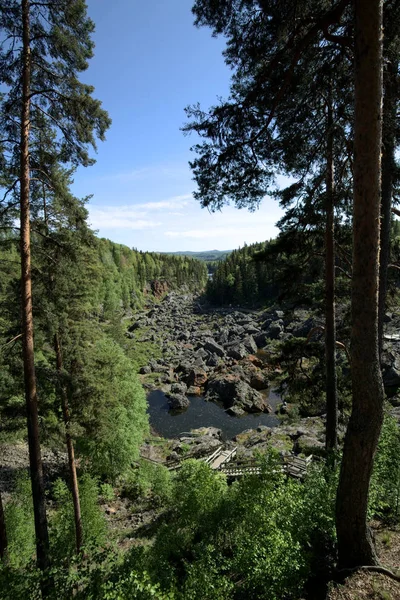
x=236, y=350
x=179, y=388
x=235, y=411
x=197, y=377
x=261, y=339
x=304, y=328
x=232, y=391
x=212, y=346
x=275, y=330
x=209, y=431
x=194, y=390
x=259, y=381
x=178, y=401
x=250, y=344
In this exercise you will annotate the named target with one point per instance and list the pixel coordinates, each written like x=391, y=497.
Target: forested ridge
x=94, y=504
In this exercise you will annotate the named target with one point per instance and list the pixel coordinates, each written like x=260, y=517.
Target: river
x=204, y=414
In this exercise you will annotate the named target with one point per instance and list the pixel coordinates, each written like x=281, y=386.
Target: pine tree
x=49, y=44
x=354, y=539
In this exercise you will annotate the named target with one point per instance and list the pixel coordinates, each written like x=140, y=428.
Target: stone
x=178, y=388
x=197, y=377
x=250, y=344
x=236, y=351
x=232, y=391
x=194, y=390
x=178, y=401
x=235, y=411
x=212, y=346
x=261, y=339
x=275, y=330
x=259, y=381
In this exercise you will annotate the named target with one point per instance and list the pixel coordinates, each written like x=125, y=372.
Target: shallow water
x=204, y=414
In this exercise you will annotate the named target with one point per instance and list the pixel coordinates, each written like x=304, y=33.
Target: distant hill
x=206, y=256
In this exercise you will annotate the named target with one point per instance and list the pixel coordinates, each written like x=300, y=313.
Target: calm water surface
x=204, y=414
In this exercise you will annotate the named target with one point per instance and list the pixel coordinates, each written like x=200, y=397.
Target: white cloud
x=176, y=202
x=135, y=216
x=149, y=172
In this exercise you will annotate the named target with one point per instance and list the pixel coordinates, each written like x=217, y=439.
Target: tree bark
x=70, y=448
x=330, y=323
x=388, y=169
x=355, y=546
x=3, y=533
x=35, y=459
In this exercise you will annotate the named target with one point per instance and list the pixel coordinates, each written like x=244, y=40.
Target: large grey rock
x=197, y=377
x=232, y=391
x=236, y=351
x=212, y=346
x=261, y=339
x=303, y=329
x=250, y=344
x=178, y=401
x=178, y=388
x=391, y=376
x=252, y=329
x=275, y=330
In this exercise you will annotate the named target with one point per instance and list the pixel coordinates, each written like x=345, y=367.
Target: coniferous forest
x=214, y=425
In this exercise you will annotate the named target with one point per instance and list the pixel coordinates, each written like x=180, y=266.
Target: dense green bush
x=384, y=497
x=19, y=524
x=253, y=539
x=62, y=529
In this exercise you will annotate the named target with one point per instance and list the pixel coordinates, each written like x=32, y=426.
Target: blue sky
x=150, y=62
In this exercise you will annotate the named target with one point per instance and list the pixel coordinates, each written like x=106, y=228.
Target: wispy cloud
x=171, y=203
x=150, y=172
x=135, y=216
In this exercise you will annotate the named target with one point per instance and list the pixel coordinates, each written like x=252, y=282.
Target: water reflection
x=204, y=414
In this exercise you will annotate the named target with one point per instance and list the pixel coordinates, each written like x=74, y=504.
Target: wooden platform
x=222, y=460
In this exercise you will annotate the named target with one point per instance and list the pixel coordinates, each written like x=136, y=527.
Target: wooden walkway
x=220, y=460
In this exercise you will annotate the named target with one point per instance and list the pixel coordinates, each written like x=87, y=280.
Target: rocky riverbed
x=221, y=354
x=224, y=355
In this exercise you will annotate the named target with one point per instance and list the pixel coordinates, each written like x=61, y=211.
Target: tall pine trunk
x=330, y=324
x=355, y=545
x=388, y=168
x=3, y=532
x=35, y=459
x=70, y=447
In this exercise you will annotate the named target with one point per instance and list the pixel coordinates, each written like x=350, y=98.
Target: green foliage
x=254, y=539
x=62, y=527
x=20, y=525
x=243, y=279
x=127, y=275
x=115, y=419
x=149, y=479
x=106, y=492
x=384, y=495
x=134, y=586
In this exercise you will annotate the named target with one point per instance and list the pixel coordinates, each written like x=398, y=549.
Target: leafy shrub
x=20, y=524
x=253, y=539
x=62, y=522
x=384, y=496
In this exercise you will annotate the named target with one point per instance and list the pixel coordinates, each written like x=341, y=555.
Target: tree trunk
x=388, y=168
x=35, y=459
x=330, y=324
x=355, y=544
x=3, y=533
x=70, y=448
